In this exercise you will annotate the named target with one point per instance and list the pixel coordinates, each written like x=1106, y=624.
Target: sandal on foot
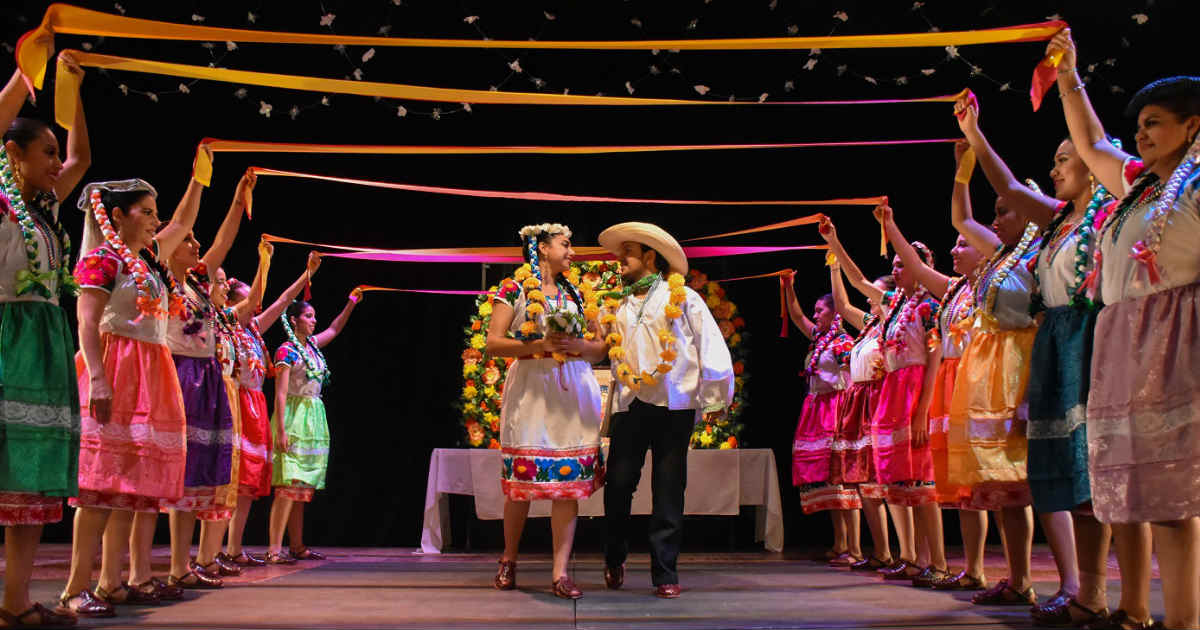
x=1004, y=595
x=88, y=606
x=166, y=592
x=962, y=582
x=931, y=574
x=304, y=553
x=1119, y=620
x=278, y=558
x=196, y=578
x=243, y=559
x=845, y=560
x=1060, y=616
x=506, y=575
x=132, y=596
x=222, y=569
x=870, y=563
x=901, y=570
x=563, y=587
x=46, y=618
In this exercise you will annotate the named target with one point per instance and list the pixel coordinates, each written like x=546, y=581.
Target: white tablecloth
x=719, y=482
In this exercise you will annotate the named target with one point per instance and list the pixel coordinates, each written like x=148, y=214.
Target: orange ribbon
x=33, y=53
x=545, y=196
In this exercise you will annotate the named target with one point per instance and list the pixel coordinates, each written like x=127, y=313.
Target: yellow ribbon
x=33, y=54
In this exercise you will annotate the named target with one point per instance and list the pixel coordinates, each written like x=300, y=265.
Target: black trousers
x=665, y=433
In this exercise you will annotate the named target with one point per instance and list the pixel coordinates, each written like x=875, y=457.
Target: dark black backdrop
x=396, y=367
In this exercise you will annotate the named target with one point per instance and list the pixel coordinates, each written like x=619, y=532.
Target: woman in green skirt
x=39, y=399
x=299, y=425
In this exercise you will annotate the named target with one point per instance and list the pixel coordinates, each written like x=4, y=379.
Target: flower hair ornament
x=529, y=276
x=149, y=293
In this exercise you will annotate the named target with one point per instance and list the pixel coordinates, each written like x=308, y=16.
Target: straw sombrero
x=649, y=235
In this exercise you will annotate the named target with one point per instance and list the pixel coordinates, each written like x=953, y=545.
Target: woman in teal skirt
x=299, y=425
x=39, y=399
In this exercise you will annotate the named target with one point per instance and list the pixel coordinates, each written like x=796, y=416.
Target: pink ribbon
x=1148, y=258
x=513, y=254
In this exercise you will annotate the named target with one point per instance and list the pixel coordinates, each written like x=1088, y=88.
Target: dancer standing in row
x=900, y=427
x=39, y=398
x=193, y=340
x=853, y=462
x=1143, y=428
x=299, y=424
x=550, y=418
x=670, y=365
x=253, y=368
x=132, y=448
x=827, y=371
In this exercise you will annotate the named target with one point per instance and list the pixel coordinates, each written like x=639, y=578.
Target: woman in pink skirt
x=900, y=427
x=852, y=463
x=826, y=370
x=1143, y=410
x=132, y=449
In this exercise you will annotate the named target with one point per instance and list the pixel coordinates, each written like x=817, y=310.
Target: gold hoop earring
x=16, y=174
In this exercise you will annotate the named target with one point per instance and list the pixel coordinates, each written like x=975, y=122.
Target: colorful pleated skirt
x=209, y=433
x=136, y=460
x=906, y=471
x=254, y=456
x=39, y=413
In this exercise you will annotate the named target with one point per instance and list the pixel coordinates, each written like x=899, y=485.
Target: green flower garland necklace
x=32, y=280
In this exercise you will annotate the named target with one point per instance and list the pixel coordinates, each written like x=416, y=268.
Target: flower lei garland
x=671, y=311
x=31, y=279
x=822, y=343
x=320, y=370
x=250, y=335
x=893, y=338
x=991, y=275
x=483, y=376
x=529, y=278
x=148, y=303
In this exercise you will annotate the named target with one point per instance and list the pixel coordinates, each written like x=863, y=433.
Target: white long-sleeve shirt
x=702, y=374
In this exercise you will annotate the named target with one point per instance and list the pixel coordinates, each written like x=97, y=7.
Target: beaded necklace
x=1146, y=249
x=822, y=344
x=32, y=279
x=960, y=299
x=999, y=266
x=1086, y=235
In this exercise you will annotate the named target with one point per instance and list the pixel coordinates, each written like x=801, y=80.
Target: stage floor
x=396, y=588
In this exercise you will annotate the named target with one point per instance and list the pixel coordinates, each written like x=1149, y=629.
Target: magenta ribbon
x=1148, y=258
x=432, y=255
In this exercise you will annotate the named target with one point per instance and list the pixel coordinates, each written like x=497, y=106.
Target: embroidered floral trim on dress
x=40, y=416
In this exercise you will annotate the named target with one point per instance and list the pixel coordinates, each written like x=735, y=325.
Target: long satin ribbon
x=544, y=196
x=782, y=274
x=32, y=55
x=367, y=287
x=513, y=254
x=67, y=88
x=203, y=167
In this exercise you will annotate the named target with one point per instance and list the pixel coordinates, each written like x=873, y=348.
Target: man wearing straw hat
x=670, y=363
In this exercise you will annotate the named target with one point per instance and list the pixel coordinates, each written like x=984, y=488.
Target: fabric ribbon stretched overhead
x=544, y=196
x=368, y=287
x=67, y=88
x=33, y=50
x=513, y=254
x=203, y=167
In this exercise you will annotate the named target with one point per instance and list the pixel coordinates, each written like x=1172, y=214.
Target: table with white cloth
x=719, y=483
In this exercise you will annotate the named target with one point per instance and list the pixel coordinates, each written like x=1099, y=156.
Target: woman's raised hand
x=1064, y=43
x=883, y=214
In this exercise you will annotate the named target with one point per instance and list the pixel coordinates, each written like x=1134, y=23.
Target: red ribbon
x=783, y=314
x=1148, y=258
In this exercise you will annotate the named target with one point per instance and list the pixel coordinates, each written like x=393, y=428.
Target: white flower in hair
x=548, y=228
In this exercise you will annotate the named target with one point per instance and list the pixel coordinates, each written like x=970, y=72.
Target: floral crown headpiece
x=529, y=237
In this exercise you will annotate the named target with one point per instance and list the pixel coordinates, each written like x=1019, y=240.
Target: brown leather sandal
x=166, y=592
x=1004, y=595
x=870, y=563
x=845, y=560
x=901, y=570
x=278, y=558
x=132, y=597
x=1119, y=620
x=1059, y=616
x=506, y=575
x=931, y=574
x=46, y=618
x=962, y=582
x=563, y=587
x=88, y=606
x=304, y=553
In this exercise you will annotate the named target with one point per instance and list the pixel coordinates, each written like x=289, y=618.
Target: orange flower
x=724, y=310
x=726, y=328
x=472, y=355
x=476, y=325
x=494, y=443
x=732, y=442
x=739, y=322
x=738, y=368
x=491, y=375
